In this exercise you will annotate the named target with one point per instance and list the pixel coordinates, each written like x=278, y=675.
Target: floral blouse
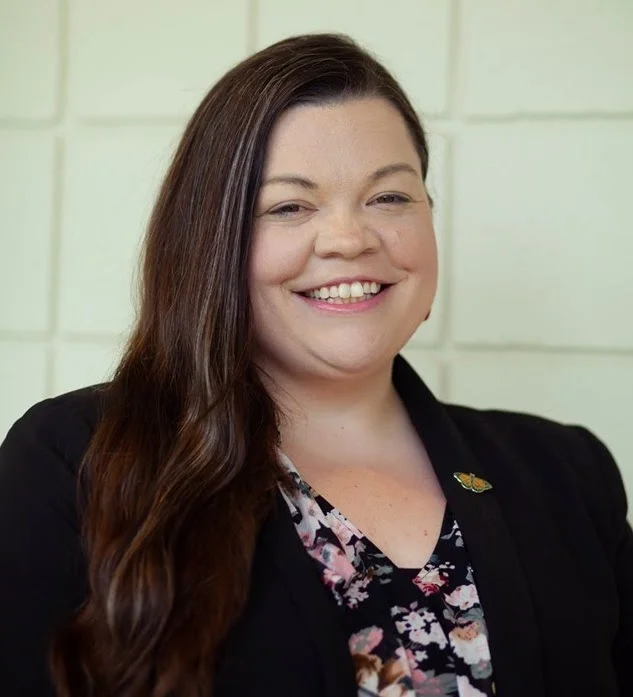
x=412, y=632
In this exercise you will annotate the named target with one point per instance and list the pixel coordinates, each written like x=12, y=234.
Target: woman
x=270, y=500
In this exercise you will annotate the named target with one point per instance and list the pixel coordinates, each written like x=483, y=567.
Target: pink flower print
x=344, y=532
x=366, y=640
x=463, y=597
x=465, y=689
x=339, y=563
x=337, y=566
x=470, y=644
x=306, y=532
x=413, y=619
x=309, y=523
x=431, y=582
x=332, y=581
x=422, y=628
x=392, y=674
x=374, y=678
x=396, y=690
x=433, y=635
x=355, y=593
x=414, y=658
x=466, y=632
x=367, y=667
x=432, y=685
x=428, y=588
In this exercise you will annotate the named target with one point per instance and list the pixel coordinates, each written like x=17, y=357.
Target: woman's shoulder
x=529, y=435
x=559, y=460
x=83, y=404
x=521, y=428
x=43, y=573
x=54, y=432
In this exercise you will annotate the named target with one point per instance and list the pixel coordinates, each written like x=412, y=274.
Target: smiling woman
x=266, y=500
x=342, y=204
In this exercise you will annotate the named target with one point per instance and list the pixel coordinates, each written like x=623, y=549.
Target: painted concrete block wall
x=529, y=107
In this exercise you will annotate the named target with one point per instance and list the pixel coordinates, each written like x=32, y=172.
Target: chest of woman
x=401, y=515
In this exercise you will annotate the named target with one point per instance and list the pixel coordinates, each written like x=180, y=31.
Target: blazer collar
x=501, y=584
x=312, y=600
x=503, y=590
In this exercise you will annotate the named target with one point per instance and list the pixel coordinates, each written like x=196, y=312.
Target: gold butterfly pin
x=472, y=482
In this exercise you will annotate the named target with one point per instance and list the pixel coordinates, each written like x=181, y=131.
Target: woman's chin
x=352, y=363
x=319, y=359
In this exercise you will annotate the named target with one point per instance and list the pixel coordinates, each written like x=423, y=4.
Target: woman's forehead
x=360, y=134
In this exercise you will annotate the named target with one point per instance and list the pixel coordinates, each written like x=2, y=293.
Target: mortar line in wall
x=52, y=299
x=58, y=193
x=449, y=123
x=452, y=123
x=457, y=350
x=579, y=351
x=445, y=336
x=62, y=94
x=28, y=125
x=525, y=117
x=60, y=342
x=447, y=117
x=454, y=57
x=49, y=370
x=449, y=355
x=252, y=18
x=93, y=338
x=446, y=121
x=60, y=339
x=25, y=336
x=449, y=349
x=129, y=121
x=445, y=354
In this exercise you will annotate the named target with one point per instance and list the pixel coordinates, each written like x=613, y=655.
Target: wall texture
x=529, y=104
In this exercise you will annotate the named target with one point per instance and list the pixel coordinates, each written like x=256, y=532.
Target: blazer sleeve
x=621, y=535
x=42, y=577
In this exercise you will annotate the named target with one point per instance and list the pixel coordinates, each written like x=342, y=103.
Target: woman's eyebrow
x=291, y=179
x=380, y=173
x=393, y=169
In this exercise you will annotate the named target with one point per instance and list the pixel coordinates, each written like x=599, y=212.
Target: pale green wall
x=529, y=104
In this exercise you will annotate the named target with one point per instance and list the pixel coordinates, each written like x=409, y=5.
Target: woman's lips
x=347, y=308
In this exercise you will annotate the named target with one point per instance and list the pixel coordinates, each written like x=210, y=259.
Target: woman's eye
x=391, y=198
x=287, y=209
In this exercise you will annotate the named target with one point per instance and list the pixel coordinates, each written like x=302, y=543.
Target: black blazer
x=550, y=546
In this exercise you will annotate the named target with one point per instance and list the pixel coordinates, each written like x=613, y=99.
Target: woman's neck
x=325, y=410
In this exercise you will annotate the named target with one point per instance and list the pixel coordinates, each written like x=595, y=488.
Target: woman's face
x=342, y=206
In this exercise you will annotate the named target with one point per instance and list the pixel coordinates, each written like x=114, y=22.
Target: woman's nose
x=345, y=235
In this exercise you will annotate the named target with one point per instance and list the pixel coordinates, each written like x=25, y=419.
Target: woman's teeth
x=345, y=292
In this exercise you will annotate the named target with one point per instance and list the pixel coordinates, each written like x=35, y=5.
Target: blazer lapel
x=513, y=632
x=312, y=600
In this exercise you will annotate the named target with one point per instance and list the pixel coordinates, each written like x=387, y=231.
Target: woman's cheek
x=278, y=256
x=412, y=247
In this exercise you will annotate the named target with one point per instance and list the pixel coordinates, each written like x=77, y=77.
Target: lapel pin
x=472, y=482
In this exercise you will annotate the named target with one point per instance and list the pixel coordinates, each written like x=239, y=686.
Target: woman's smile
x=347, y=298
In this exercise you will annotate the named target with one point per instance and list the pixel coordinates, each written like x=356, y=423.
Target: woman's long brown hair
x=182, y=469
